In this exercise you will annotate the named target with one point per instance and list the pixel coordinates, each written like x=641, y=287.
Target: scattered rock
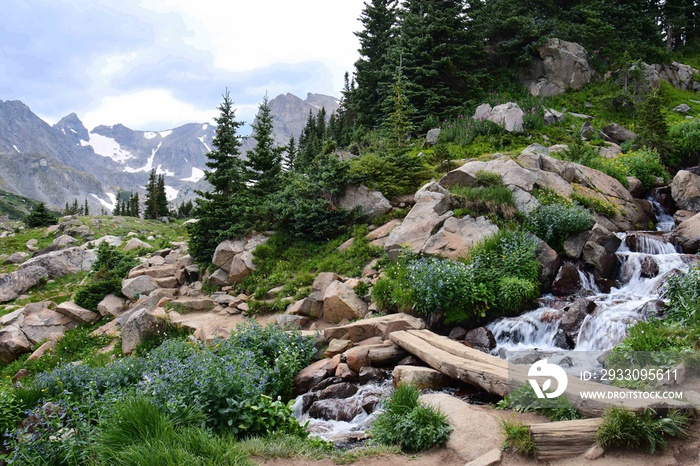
x=682, y=108
x=135, y=243
x=595, y=452
x=685, y=189
x=432, y=137
x=457, y=333
x=42, y=350
x=77, y=313
x=132, y=288
x=337, y=347
x=316, y=372
x=289, y=321
x=41, y=323
x=458, y=235
x=567, y=281
x=561, y=65
x=111, y=305
x=427, y=215
x=650, y=268
x=64, y=241
x=14, y=284
x=424, y=378
x=618, y=133
x=13, y=343
x=509, y=116
x=64, y=262
x=492, y=458
x=236, y=257
x=374, y=327
x=141, y=325
x=16, y=258
x=338, y=390
x=340, y=302
x=688, y=234
x=480, y=338
x=371, y=204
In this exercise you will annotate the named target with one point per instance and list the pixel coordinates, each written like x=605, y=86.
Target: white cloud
x=145, y=107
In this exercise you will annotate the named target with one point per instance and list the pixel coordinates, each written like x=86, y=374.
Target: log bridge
x=497, y=376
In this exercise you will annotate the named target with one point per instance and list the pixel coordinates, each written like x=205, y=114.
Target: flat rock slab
x=476, y=430
x=374, y=327
x=77, y=313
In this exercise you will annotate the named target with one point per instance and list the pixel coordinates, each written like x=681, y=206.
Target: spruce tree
x=225, y=211
x=151, y=205
x=398, y=124
x=290, y=154
x=87, y=210
x=40, y=216
x=161, y=198
x=264, y=164
x=134, y=207
x=371, y=71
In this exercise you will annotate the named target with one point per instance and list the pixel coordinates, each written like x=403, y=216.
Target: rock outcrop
x=64, y=262
x=371, y=204
x=13, y=284
x=561, y=65
x=235, y=257
x=685, y=189
x=509, y=116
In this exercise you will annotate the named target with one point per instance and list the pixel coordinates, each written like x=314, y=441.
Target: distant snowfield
x=163, y=171
x=171, y=193
x=149, y=135
x=201, y=139
x=112, y=200
x=149, y=163
x=196, y=175
x=107, y=147
x=165, y=134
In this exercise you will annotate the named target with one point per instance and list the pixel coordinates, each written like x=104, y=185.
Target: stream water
x=639, y=283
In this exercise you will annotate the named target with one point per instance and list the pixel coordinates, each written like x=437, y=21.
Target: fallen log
x=499, y=377
x=555, y=440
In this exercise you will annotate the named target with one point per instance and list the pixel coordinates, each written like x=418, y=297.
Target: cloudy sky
x=156, y=64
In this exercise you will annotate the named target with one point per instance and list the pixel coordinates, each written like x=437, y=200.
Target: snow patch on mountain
x=107, y=147
x=165, y=134
x=171, y=193
x=196, y=175
x=163, y=171
x=16, y=148
x=149, y=134
x=149, y=163
x=201, y=139
x=111, y=204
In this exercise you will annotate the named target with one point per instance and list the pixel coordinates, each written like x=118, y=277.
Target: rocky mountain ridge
x=57, y=164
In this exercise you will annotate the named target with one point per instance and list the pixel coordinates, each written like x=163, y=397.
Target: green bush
x=645, y=430
x=392, y=174
x=409, y=424
x=499, y=277
x=554, y=223
x=40, y=216
x=486, y=200
x=107, y=272
x=685, y=137
x=595, y=204
x=10, y=411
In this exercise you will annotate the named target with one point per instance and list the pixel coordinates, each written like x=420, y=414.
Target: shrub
x=111, y=267
x=645, y=430
x=487, y=200
x=392, y=174
x=10, y=411
x=524, y=399
x=686, y=139
x=517, y=436
x=40, y=216
x=554, y=223
x=407, y=423
x=487, y=178
x=595, y=204
x=504, y=264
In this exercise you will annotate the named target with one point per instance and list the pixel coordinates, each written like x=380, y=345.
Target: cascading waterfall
x=642, y=273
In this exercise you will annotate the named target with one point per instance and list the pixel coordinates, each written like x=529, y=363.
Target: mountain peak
x=71, y=126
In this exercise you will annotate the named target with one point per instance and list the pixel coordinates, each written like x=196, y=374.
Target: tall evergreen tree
x=161, y=198
x=86, y=208
x=441, y=57
x=151, y=207
x=264, y=164
x=290, y=153
x=371, y=71
x=134, y=206
x=223, y=212
x=398, y=124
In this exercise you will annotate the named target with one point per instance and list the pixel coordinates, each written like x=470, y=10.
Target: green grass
x=517, y=436
x=641, y=431
x=296, y=263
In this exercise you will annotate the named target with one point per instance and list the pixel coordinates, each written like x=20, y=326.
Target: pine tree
x=151, y=205
x=87, y=210
x=264, y=164
x=40, y=216
x=376, y=39
x=398, y=124
x=225, y=211
x=134, y=207
x=290, y=154
x=161, y=198
x=75, y=209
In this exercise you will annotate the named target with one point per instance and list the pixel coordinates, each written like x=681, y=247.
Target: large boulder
x=77, y=313
x=132, y=288
x=13, y=343
x=677, y=74
x=64, y=262
x=374, y=327
x=15, y=283
x=432, y=208
x=509, y=116
x=561, y=65
x=618, y=133
x=549, y=263
x=685, y=189
x=112, y=305
x=423, y=378
x=141, y=325
x=340, y=302
x=688, y=234
x=41, y=323
x=459, y=235
x=599, y=252
x=236, y=256
x=371, y=204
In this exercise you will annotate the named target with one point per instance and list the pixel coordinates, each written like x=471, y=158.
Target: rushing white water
x=641, y=277
x=332, y=430
x=664, y=222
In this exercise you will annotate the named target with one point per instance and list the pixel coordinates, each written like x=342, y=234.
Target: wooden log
x=500, y=377
x=555, y=440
